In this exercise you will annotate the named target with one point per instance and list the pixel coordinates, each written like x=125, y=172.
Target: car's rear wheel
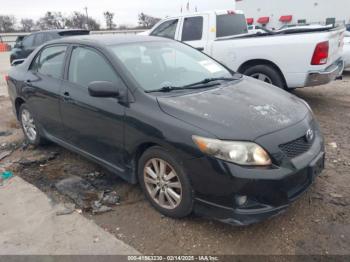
x=29, y=126
x=164, y=183
x=266, y=74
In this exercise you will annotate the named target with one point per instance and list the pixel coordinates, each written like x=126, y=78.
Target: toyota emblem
x=309, y=135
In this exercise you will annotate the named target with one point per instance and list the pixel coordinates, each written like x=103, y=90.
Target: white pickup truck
x=289, y=59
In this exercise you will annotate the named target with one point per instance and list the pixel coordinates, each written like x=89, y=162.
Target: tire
x=33, y=139
x=149, y=160
x=273, y=76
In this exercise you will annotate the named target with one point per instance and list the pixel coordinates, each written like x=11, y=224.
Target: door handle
x=200, y=48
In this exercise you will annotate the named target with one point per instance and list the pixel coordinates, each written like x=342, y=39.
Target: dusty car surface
x=195, y=135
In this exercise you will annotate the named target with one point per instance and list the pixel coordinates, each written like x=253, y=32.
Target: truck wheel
x=267, y=74
x=164, y=183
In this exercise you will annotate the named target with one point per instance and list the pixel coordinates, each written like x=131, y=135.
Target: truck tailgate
x=336, y=44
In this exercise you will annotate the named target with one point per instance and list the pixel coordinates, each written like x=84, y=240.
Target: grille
x=296, y=147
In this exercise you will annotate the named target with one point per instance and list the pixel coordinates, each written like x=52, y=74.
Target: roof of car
x=108, y=39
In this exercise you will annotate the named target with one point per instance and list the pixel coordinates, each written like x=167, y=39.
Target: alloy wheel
x=162, y=183
x=28, y=125
x=262, y=77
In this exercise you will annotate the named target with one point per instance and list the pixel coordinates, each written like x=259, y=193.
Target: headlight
x=242, y=153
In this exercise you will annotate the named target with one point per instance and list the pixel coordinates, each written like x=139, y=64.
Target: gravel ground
x=318, y=223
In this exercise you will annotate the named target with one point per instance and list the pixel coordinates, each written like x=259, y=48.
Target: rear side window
x=87, y=66
x=166, y=29
x=230, y=25
x=50, y=61
x=192, y=29
x=39, y=39
x=28, y=41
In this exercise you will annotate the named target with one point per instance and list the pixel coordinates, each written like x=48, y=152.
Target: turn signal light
x=321, y=52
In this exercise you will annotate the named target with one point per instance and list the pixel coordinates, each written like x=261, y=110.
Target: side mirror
x=103, y=89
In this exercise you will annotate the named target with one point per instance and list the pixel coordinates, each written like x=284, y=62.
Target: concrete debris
x=98, y=208
x=5, y=154
x=111, y=198
x=67, y=210
x=5, y=133
x=335, y=195
x=333, y=145
x=79, y=190
x=86, y=196
x=37, y=160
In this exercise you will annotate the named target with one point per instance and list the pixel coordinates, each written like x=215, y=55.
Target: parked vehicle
x=288, y=59
x=346, y=52
x=19, y=40
x=23, y=48
x=195, y=135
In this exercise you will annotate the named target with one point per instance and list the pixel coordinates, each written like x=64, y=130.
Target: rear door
x=194, y=31
x=93, y=125
x=43, y=84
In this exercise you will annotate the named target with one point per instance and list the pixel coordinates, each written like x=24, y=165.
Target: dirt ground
x=318, y=223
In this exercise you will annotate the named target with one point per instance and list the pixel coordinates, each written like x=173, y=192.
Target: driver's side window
x=166, y=29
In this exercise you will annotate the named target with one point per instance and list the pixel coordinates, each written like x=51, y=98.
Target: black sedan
x=195, y=135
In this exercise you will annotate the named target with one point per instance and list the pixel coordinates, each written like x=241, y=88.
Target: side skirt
x=127, y=176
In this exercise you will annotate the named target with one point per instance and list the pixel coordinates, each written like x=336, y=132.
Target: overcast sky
x=125, y=10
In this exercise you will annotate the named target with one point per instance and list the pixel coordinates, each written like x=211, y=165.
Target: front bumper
x=266, y=199
x=334, y=71
x=269, y=191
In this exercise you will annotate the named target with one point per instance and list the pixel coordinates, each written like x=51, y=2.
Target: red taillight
x=320, y=56
x=7, y=78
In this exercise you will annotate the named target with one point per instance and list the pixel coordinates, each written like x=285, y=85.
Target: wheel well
x=18, y=102
x=255, y=62
x=139, y=152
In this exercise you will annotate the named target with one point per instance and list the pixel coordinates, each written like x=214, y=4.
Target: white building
x=276, y=13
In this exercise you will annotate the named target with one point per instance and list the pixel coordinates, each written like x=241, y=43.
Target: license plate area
x=317, y=166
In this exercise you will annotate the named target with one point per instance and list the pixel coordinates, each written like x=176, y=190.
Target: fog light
x=241, y=200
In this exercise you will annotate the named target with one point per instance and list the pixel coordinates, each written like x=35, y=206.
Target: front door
x=93, y=125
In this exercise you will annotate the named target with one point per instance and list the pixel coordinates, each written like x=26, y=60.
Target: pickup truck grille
x=296, y=147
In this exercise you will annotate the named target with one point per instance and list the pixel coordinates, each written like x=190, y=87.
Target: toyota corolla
x=196, y=136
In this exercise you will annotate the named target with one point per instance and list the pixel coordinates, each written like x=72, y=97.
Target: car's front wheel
x=29, y=126
x=164, y=183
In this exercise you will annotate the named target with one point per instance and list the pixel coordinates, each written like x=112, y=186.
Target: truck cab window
x=230, y=25
x=192, y=29
x=166, y=29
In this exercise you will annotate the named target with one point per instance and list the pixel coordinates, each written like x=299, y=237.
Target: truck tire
x=267, y=74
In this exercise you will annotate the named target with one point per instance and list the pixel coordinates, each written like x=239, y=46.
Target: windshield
x=156, y=65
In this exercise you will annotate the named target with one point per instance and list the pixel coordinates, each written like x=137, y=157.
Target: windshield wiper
x=205, y=83
x=208, y=80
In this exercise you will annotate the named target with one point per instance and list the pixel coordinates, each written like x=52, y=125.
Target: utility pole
x=87, y=17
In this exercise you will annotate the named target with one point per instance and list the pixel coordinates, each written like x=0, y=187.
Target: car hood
x=243, y=110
